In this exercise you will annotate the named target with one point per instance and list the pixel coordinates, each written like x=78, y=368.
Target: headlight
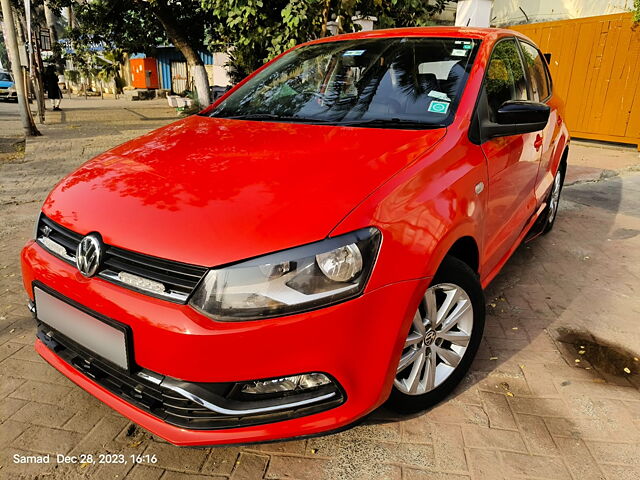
x=292, y=281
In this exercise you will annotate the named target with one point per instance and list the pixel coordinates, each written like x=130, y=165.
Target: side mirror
x=516, y=117
x=547, y=57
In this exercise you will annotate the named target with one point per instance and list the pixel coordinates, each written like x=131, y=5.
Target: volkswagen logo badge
x=429, y=338
x=89, y=255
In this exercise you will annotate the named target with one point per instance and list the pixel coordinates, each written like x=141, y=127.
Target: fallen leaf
x=492, y=305
x=582, y=352
x=636, y=359
x=314, y=450
x=599, y=380
x=577, y=360
x=626, y=369
x=135, y=444
x=84, y=465
x=12, y=330
x=514, y=328
x=493, y=358
x=505, y=386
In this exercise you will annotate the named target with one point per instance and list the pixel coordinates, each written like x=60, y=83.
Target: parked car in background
x=7, y=87
x=313, y=245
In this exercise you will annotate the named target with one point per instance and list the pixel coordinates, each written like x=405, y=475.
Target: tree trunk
x=51, y=20
x=70, y=17
x=14, y=57
x=325, y=17
x=180, y=41
x=38, y=76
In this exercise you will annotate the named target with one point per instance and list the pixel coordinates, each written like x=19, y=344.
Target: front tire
x=443, y=339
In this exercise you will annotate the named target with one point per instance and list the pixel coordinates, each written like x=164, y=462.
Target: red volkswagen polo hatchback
x=311, y=246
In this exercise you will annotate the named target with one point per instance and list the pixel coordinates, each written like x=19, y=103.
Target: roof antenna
x=525, y=14
x=468, y=22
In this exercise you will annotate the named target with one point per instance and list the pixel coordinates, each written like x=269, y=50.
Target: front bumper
x=357, y=343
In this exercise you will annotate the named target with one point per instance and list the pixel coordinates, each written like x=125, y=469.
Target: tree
x=142, y=25
x=254, y=31
x=4, y=57
x=180, y=20
x=12, y=47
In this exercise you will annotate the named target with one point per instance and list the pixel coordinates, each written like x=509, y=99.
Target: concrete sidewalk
x=548, y=396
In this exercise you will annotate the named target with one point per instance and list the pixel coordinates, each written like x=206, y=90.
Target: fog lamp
x=287, y=384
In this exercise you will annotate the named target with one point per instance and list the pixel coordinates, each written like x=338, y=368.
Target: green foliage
x=401, y=13
x=73, y=76
x=114, y=23
x=255, y=31
x=636, y=11
x=108, y=67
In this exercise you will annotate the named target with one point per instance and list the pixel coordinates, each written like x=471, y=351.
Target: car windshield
x=5, y=77
x=386, y=82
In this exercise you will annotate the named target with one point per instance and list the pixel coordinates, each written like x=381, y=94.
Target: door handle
x=538, y=142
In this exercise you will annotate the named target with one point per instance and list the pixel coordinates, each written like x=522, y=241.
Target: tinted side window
x=536, y=72
x=505, y=77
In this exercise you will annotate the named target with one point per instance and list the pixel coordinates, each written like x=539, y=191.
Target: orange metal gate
x=595, y=65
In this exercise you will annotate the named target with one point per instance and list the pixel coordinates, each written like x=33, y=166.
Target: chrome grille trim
x=179, y=279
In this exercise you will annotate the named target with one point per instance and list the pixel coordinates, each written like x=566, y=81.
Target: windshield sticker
x=466, y=44
x=438, y=107
x=439, y=95
x=353, y=53
x=459, y=52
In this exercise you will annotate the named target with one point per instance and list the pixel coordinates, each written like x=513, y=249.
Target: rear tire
x=443, y=339
x=551, y=212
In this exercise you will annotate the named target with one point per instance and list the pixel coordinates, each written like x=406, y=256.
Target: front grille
x=177, y=279
x=145, y=390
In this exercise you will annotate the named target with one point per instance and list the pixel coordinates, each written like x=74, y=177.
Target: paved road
x=9, y=119
x=526, y=410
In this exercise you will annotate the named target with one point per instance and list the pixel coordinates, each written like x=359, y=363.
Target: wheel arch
x=461, y=243
x=466, y=250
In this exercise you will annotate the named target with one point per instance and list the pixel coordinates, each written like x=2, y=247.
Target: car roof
x=444, y=31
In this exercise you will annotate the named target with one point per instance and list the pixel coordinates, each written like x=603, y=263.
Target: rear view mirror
x=516, y=117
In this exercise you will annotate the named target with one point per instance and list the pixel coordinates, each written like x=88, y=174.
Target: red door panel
x=512, y=164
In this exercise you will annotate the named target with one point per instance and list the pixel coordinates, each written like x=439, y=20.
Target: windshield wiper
x=390, y=123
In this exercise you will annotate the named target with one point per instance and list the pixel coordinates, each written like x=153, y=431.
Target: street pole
x=12, y=46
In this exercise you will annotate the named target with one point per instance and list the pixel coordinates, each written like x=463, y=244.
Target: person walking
x=51, y=86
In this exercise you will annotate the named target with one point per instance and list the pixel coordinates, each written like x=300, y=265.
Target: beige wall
x=506, y=12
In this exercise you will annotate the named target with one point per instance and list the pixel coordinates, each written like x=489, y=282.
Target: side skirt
x=532, y=229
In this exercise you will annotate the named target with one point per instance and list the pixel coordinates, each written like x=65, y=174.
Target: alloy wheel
x=555, y=197
x=437, y=341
